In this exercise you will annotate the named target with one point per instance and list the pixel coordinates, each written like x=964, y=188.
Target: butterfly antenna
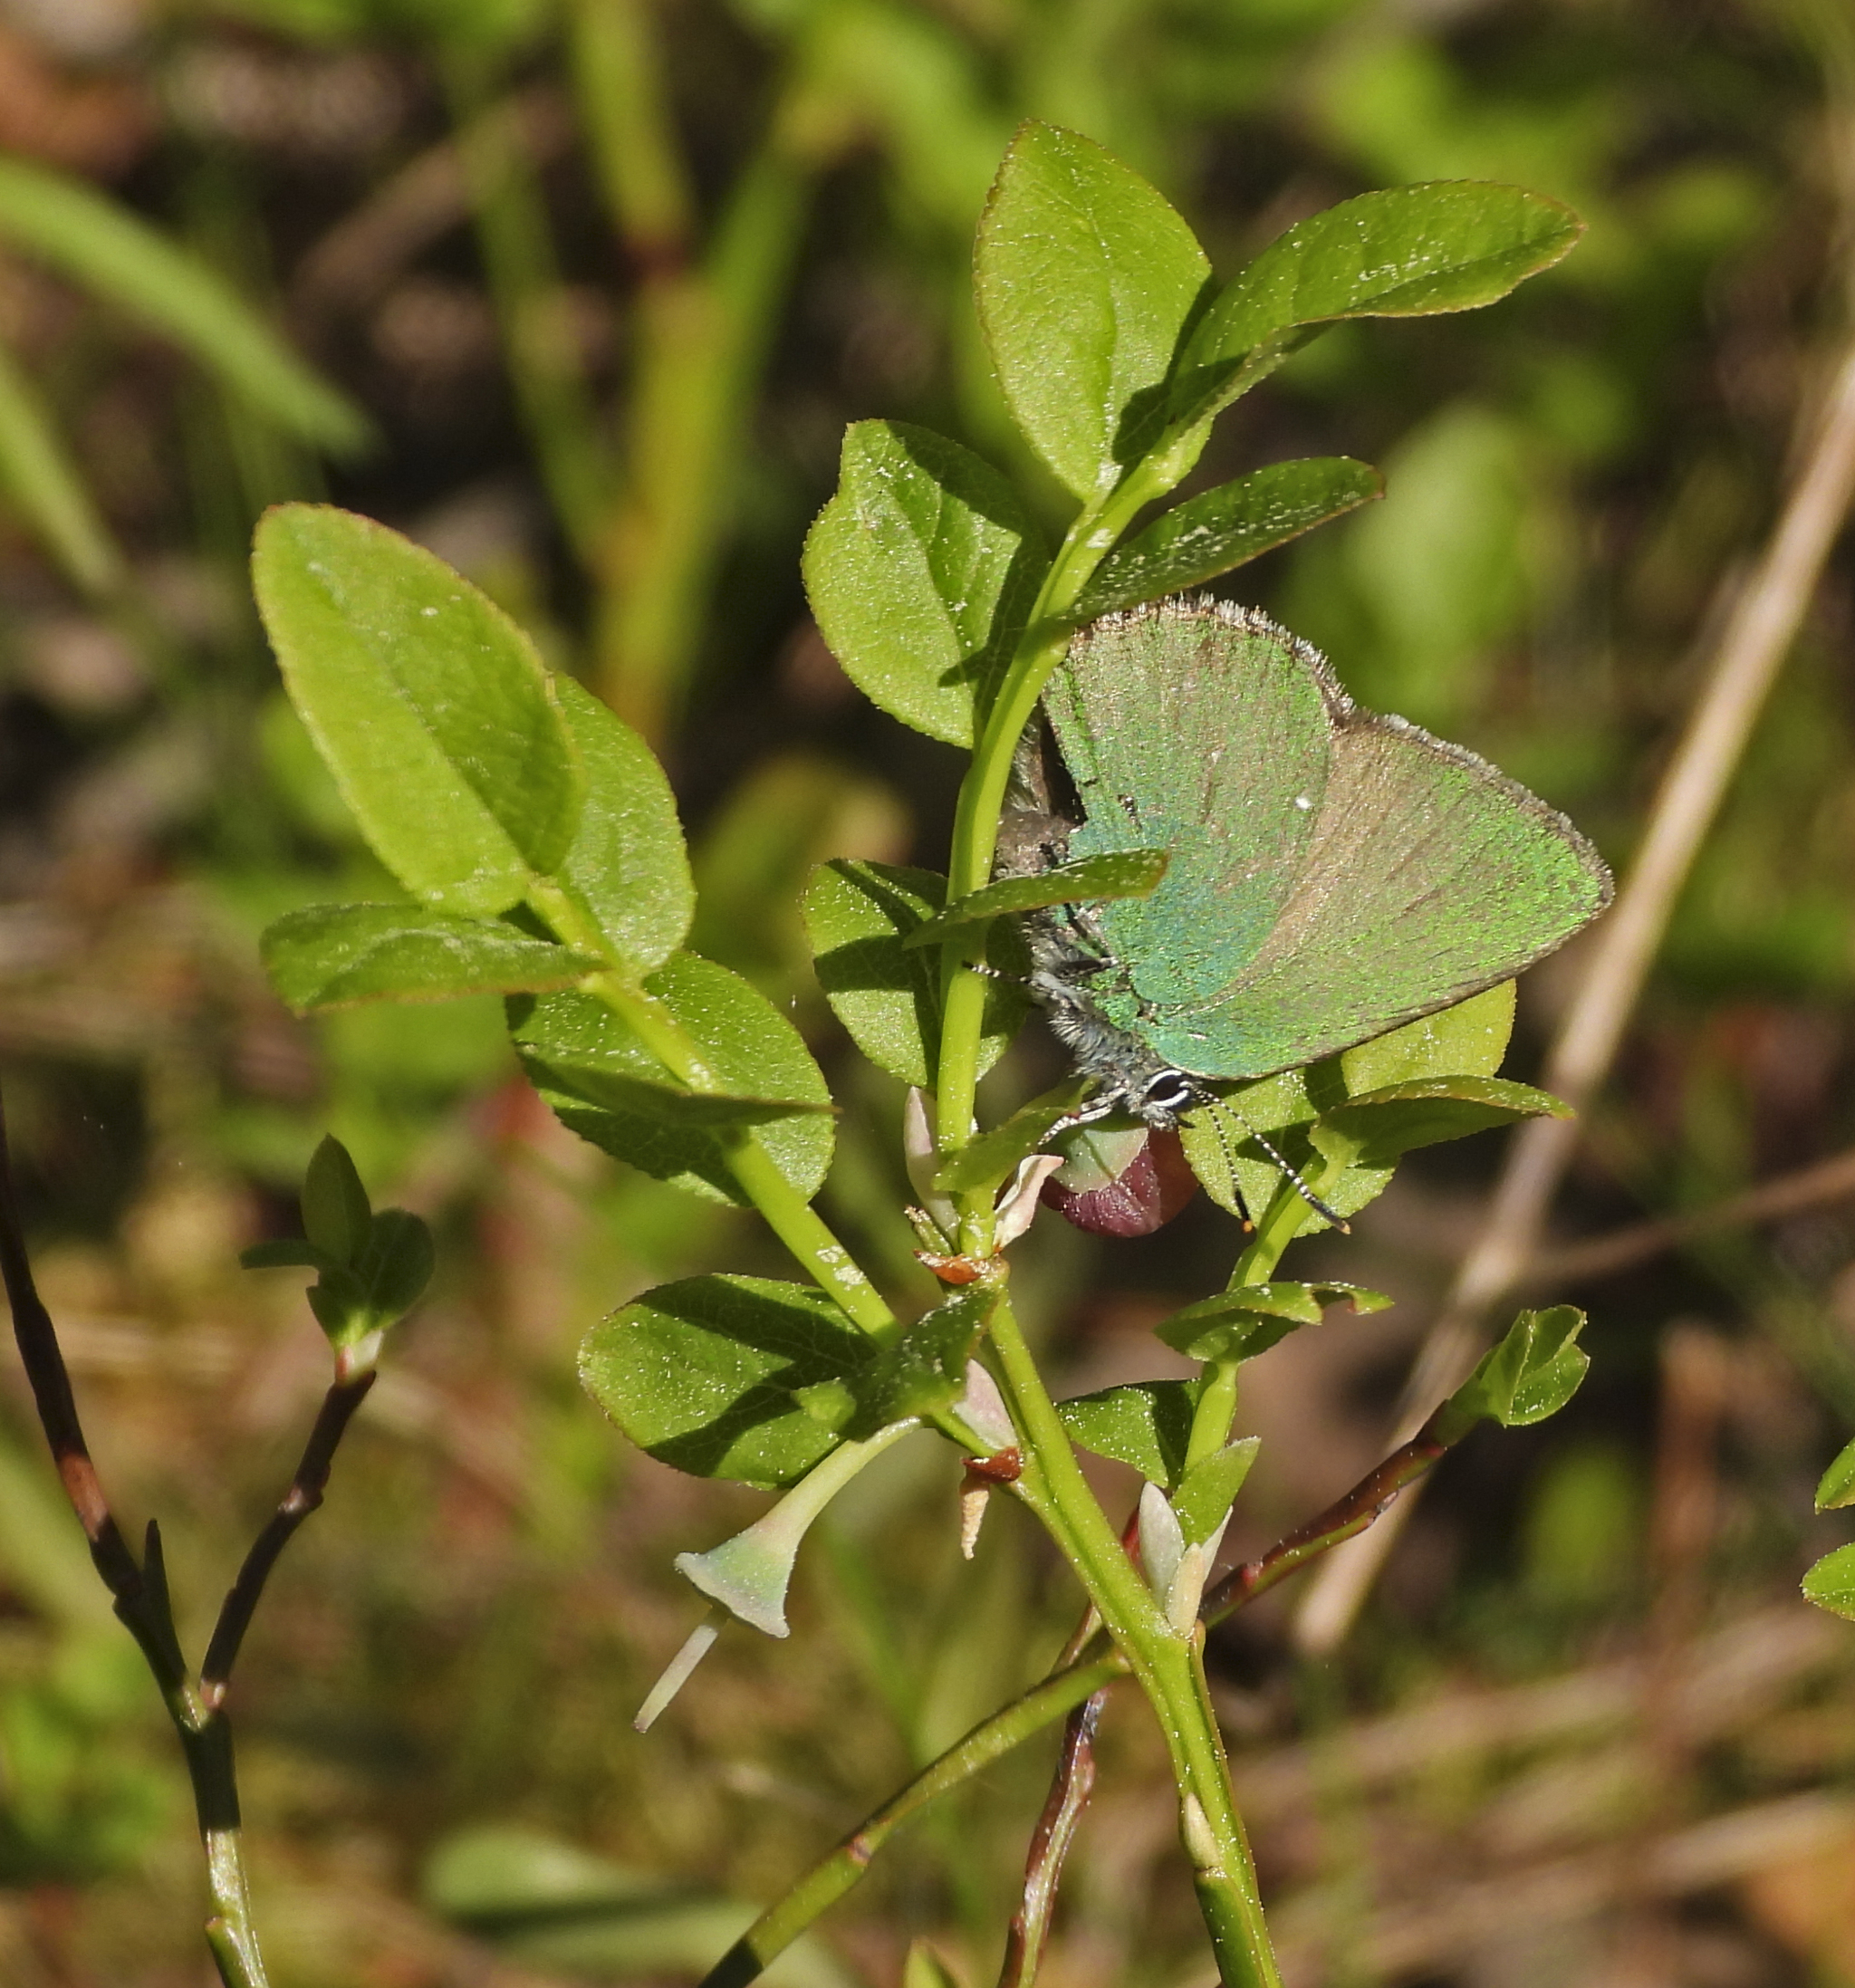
x=1218, y=1111
x=1301, y=1186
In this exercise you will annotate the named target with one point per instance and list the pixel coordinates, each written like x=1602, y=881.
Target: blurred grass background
x=582, y=295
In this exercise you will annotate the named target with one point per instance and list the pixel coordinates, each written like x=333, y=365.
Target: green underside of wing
x=1418, y=875
x=1185, y=733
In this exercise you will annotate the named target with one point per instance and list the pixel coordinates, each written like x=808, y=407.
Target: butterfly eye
x=1169, y=1091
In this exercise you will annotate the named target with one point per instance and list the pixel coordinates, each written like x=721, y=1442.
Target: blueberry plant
x=538, y=848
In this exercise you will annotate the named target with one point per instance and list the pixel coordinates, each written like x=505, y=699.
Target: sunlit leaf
x=1837, y=1488
x=1084, y=278
x=920, y=571
x=626, y=864
x=1830, y=1583
x=1145, y=1423
x=436, y=715
x=984, y=1161
x=332, y=955
x=1378, y=1128
x=603, y=1082
x=1092, y=879
x=1532, y=1373
x=1205, y=1493
x=1209, y=535
x=1407, y=252
x=1238, y=1324
x=707, y=1375
x=1222, y=1141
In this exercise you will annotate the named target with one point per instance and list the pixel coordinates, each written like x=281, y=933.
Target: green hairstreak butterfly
x=1333, y=873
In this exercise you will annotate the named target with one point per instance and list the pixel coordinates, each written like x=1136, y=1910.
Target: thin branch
x=829, y=1879
x=142, y=1604
x=43, y=1360
x=1369, y=1500
x=1070, y=1785
x=303, y=1496
x=1757, y=636
x=1077, y=1678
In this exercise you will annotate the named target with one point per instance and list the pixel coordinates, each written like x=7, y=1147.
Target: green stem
x=1214, y=1412
x=1218, y=1391
x=784, y=1208
x=231, y=1938
x=1081, y=1675
x=827, y=1881
x=1041, y=648
x=1053, y=1482
x=1223, y=1872
x=206, y=1745
x=1167, y=1665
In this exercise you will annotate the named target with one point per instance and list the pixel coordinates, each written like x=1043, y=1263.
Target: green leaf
x=1209, y=535
x=102, y=246
x=705, y=1375
x=336, y=1216
x=986, y=1160
x=1237, y=1325
x=601, y=1080
x=1830, y=1583
x=1209, y=1488
x=858, y=918
x=372, y=1268
x=1407, y=252
x=920, y=571
x=331, y=955
x=380, y=1285
x=1092, y=879
x=1145, y=1423
x=1220, y=1140
x=1469, y=1040
x=1838, y=1486
x=47, y=487
x=1532, y=1373
x=396, y=1265
x=1377, y=1128
x=1084, y=278
x=926, y=1368
x=627, y=864
x=431, y=707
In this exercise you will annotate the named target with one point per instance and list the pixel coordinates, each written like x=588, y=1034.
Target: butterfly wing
x=1207, y=731
x=1428, y=876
